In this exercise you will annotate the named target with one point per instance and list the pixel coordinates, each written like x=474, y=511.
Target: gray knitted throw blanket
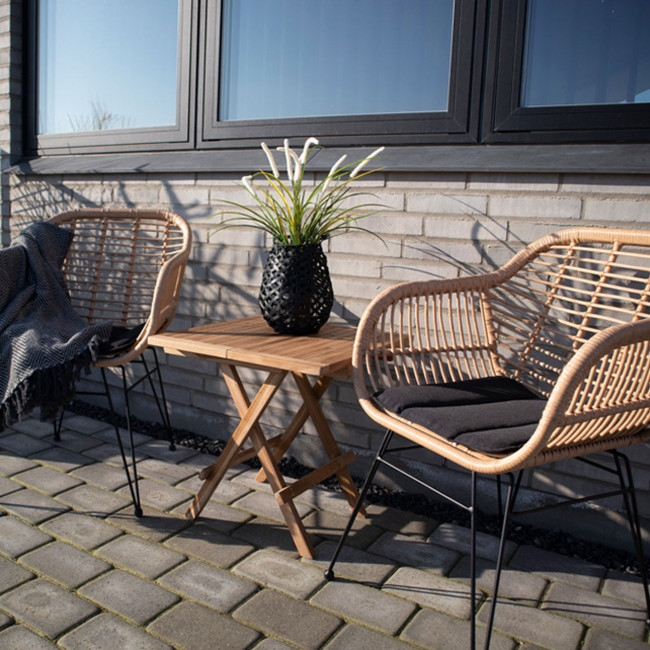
x=44, y=343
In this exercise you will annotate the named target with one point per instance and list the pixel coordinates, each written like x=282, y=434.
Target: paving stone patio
x=79, y=571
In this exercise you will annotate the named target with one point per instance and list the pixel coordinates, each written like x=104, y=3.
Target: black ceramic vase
x=296, y=294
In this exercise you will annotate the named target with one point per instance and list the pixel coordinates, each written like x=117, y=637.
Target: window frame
x=509, y=122
x=178, y=136
x=454, y=125
x=484, y=107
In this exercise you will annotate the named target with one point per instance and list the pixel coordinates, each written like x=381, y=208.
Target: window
x=371, y=70
x=125, y=75
x=572, y=71
x=110, y=72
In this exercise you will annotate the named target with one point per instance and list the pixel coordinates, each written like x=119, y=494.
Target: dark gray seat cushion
x=493, y=415
x=120, y=340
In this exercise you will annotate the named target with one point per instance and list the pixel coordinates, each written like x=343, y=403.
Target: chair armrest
x=425, y=332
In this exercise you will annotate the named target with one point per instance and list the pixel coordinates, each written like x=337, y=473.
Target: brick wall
x=437, y=225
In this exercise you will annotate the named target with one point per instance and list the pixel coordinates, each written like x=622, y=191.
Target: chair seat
x=120, y=339
x=495, y=415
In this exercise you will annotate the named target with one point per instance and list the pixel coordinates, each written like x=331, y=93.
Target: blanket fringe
x=51, y=389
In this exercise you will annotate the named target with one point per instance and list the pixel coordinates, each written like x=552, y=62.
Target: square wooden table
x=251, y=343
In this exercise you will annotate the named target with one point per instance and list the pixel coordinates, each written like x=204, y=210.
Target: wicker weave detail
x=296, y=293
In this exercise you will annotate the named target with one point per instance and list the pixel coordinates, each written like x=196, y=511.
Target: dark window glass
x=107, y=64
x=581, y=52
x=291, y=58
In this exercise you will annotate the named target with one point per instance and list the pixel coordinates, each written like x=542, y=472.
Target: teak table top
x=250, y=341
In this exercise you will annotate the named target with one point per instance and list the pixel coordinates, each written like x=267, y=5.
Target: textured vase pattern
x=296, y=294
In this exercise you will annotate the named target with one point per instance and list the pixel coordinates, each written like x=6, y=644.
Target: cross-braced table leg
x=249, y=427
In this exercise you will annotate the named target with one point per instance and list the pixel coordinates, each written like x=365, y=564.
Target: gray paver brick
x=11, y=464
x=400, y=521
x=18, y=637
x=291, y=620
x=109, y=452
x=81, y=530
x=571, y=570
x=208, y=629
x=624, y=586
x=164, y=472
x=265, y=505
x=84, y=424
x=430, y=590
x=93, y=500
x=17, y=537
x=132, y=597
x=154, y=525
x=160, y=449
x=281, y=572
x=517, y=585
x=329, y=526
x=65, y=564
x=597, y=639
x=365, y=605
x=204, y=543
x=533, y=625
x=226, y=492
x=363, y=638
x=47, y=480
x=459, y=538
x=437, y=631
x=354, y=564
x=267, y=534
x=7, y=486
x=76, y=441
x=108, y=632
x=63, y=459
x=108, y=435
x=34, y=427
x=140, y=556
x=405, y=549
x=218, y=516
x=596, y=610
x=158, y=495
x=106, y=476
x=32, y=506
x=46, y=608
x=23, y=445
x=5, y=620
x=12, y=575
x=208, y=585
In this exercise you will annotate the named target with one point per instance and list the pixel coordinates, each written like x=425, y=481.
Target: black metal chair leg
x=629, y=501
x=510, y=500
x=329, y=573
x=472, y=563
x=57, y=423
x=132, y=481
x=161, y=402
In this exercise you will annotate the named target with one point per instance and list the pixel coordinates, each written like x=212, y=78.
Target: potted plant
x=296, y=292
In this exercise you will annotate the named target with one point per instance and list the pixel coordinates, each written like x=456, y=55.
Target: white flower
x=332, y=171
x=305, y=149
x=365, y=161
x=247, y=181
x=287, y=156
x=274, y=167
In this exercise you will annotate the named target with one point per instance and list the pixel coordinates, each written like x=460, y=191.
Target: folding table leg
x=325, y=433
x=251, y=414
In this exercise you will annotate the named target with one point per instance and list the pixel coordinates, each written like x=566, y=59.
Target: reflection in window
x=291, y=58
x=586, y=52
x=107, y=64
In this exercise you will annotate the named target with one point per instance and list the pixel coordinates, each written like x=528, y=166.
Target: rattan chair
x=126, y=266
x=544, y=359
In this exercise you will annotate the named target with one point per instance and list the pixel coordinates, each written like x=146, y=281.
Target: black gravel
x=553, y=540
